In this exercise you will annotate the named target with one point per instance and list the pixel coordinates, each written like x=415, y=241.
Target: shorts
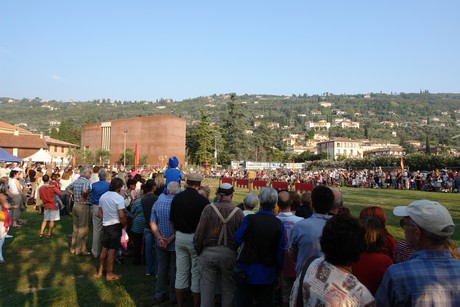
x=111, y=236
x=187, y=271
x=51, y=215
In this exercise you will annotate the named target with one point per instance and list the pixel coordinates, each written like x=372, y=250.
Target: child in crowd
x=173, y=173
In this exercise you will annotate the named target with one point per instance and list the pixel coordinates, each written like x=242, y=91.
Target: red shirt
x=370, y=269
x=46, y=193
x=390, y=245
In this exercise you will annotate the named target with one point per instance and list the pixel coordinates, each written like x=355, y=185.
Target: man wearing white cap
x=431, y=277
x=215, y=247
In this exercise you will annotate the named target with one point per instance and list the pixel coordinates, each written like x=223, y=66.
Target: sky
x=146, y=50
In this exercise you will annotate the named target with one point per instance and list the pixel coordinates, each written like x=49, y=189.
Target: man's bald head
x=337, y=199
x=284, y=200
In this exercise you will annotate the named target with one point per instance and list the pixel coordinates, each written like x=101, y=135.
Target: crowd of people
x=402, y=179
x=279, y=248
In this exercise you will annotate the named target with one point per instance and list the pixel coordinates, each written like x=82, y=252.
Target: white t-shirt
x=94, y=178
x=111, y=202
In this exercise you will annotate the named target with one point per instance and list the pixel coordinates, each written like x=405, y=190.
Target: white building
x=320, y=125
x=349, y=124
x=341, y=147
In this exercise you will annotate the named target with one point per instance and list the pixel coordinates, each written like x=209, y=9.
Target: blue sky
x=144, y=50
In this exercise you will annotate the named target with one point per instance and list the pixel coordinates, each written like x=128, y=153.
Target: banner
x=136, y=156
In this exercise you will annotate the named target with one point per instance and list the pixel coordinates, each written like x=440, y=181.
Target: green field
x=41, y=271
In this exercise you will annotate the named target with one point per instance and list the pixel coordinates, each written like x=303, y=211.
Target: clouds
x=56, y=77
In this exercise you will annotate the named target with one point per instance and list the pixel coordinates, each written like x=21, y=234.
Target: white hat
x=429, y=215
x=225, y=189
x=17, y=169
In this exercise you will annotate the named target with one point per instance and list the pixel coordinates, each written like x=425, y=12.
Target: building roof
x=51, y=141
x=22, y=141
x=340, y=139
x=8, y=128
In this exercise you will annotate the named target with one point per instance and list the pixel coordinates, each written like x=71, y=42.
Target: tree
x=69, y=132
x=304, y=156
x=144, y=159
x=204, y=151
x=237, y=143
x=427, y=146
x=54, y=133
x=129, y=156
x=262, y=143
x=90, y=159
x=102, y=156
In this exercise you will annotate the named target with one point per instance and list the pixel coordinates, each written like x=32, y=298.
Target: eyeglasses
x=403, y=223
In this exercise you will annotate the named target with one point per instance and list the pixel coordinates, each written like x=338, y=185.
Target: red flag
x=402, y=163
x=136, y=156
x=74, y=160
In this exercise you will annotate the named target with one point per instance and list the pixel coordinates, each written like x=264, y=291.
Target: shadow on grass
x=42, y=272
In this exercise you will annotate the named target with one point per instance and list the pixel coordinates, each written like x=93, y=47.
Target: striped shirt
x=160, y=215
x=139, y=220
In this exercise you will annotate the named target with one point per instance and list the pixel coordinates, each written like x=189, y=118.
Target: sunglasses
x=403, y=224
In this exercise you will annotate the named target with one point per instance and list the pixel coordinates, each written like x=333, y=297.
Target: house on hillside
x=318, y=126
x=349, y=124
x=396, y=151
x=341, y=147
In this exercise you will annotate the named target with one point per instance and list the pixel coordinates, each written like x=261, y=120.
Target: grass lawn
x=41, y=271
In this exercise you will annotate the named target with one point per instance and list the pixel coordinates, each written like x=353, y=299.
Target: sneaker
x=147, y=274
x=8, y=236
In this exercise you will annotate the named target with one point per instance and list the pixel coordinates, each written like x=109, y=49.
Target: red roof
x=22, y=141
x=12, y=128
x=52, y=141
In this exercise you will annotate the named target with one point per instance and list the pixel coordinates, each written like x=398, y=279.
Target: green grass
x=41, y=271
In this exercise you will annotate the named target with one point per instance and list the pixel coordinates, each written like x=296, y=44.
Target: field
x=41, y=271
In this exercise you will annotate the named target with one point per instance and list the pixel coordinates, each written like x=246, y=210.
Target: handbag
x=2, y=216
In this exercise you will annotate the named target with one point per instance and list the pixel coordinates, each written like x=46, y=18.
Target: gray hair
x=102, y=174
x=173, y=188
x=268, y=198
x=250, y=200
x=84, y=169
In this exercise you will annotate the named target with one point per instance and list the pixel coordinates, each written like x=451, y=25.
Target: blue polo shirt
x=97, y=189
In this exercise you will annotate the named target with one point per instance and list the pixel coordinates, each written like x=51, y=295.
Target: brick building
x=157, y=136
x=23, y=143
x=20, y=142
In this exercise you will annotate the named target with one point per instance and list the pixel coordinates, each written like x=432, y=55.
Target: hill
x=390, y=117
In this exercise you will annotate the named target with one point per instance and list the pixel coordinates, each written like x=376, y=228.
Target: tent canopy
x=39, y=156
x=7, y=157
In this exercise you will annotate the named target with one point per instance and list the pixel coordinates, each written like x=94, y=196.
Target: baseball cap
x=195, y=177
x=225, y=189
x=429, y=215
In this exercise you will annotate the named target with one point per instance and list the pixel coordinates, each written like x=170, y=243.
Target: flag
x=402, y=163
x=136, y=156
x=74, y=160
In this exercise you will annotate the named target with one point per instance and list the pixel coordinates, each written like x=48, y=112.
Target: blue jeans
x=166, y=268
x=151, y=261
